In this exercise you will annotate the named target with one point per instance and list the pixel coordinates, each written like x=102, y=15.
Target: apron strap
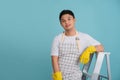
x=77, y=39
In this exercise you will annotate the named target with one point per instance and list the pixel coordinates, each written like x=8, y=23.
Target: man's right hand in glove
x=57, y=76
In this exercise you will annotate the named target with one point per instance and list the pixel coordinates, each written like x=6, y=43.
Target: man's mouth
x=68, y=25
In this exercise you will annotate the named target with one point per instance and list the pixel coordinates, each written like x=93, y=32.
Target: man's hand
x=57, y=76
x=99, y=48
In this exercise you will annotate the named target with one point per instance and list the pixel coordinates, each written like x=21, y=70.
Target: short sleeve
x=92, y=41
x=55, y=45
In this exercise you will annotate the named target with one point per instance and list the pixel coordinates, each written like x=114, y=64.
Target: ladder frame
x=98, y=64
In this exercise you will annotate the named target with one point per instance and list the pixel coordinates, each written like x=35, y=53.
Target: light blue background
x=27, y=28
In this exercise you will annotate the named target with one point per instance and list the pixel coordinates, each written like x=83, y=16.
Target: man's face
x=67, y=21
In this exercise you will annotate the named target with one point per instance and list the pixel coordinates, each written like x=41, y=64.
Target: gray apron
x=69, y=61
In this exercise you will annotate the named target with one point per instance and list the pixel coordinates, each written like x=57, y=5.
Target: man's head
x=67, y=19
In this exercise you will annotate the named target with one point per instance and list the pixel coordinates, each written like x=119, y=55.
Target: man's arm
x=57, y=75
x=85, y=56
x=99, y=48
x=55, y=64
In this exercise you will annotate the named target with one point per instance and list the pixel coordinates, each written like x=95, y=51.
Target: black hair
x=66, y=12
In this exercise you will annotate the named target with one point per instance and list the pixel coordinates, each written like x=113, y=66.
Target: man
x=70, y=47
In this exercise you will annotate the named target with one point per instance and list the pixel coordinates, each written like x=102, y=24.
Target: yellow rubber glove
x=57, y=76
x=85, y=56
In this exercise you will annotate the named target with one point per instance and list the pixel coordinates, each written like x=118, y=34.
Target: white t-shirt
x=85, y=41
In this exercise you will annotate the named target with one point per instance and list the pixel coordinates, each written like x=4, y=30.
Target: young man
x=70, y=48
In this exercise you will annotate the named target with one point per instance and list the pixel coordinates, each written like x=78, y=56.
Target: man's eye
x=69, y=18
x=62, y=20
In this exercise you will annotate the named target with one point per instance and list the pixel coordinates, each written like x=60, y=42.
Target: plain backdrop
x=27, y=29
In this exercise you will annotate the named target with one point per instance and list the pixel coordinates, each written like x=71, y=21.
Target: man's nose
x=66, y=22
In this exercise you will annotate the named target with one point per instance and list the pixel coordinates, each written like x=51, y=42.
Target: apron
x=69, y=61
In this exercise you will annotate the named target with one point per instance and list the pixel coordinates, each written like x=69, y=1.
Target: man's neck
x=70, y=32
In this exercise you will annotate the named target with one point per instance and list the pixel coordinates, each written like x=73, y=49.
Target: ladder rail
x=108, y=66
x=98, y=65
x=86, y=67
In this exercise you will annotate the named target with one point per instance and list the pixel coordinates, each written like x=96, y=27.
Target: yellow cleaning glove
x=57, y=76
x=85, y=56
